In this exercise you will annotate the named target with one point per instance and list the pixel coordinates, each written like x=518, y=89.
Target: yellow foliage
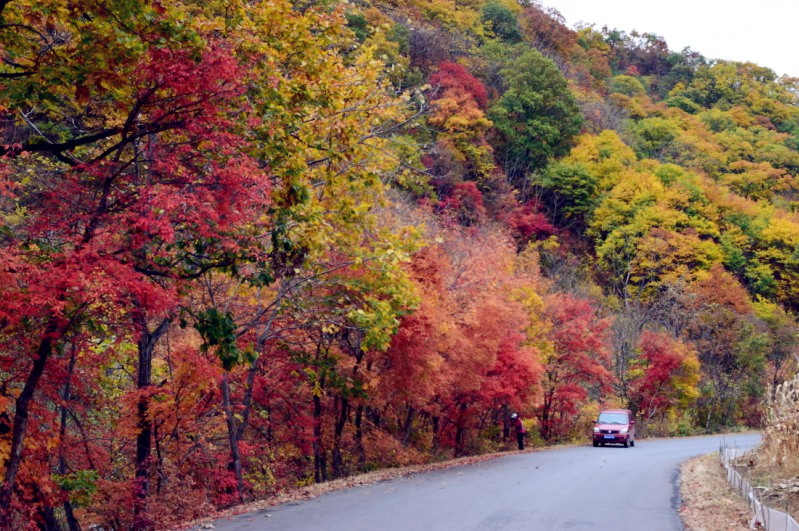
x=604, y=155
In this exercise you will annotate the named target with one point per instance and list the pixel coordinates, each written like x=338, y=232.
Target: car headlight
x=596, y=430
x=623, y=430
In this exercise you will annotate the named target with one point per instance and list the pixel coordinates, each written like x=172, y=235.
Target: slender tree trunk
x=72, y=522
x=546, y=421
x=162, y=480
x=262, y=338
x=146, y=347
x=47, y=519
x=505, y=423
x=435, y=433
x=359, y=438
x=235, y=458
x=338, y=461
x=247, y=402
x=320, y=472
x=710, y=407
x=21, y=424
x=460, y=432
x=406, y=436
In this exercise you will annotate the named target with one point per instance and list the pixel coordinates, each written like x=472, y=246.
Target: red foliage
x=654, y=391
x=722, y=288
x=461, y=150
x=579, y=360
x=514, y=378
x=546, y=29
x=461, y=358
x=464, y=204
x=452, y=78
x=529, y=222
x=632, y=70
x=122, y=239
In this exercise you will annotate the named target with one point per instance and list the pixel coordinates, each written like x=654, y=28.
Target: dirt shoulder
x=708, y=502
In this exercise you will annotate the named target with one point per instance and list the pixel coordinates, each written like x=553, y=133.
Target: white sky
x=762, y=31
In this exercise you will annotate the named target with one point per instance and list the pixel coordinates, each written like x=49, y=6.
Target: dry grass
x=708, y=503
x=774, y=465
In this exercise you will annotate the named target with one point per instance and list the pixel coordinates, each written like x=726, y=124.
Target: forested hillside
x=247, y=246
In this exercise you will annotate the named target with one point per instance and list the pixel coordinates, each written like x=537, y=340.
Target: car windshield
x=612, y=418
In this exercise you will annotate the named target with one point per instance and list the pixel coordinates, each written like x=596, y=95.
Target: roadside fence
x=764, y=517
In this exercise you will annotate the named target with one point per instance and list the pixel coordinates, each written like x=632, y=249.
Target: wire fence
x=764, y=517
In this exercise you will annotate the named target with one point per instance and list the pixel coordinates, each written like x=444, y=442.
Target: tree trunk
x=359, y=438
x=159, y=461
x=338, y=461
x=460, y=432
x=21, y=424
x=406, y=436
x=235, y=458
x=262, y=337
x=72, y=522
x=546, y=421
x=711, y=406
x=146, y=347
x=319, y=463
x=247, y=402
x=47, y=519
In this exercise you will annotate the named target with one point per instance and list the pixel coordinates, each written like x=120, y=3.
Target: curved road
x=568, y=488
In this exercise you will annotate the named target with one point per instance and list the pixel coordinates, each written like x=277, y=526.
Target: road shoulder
x=708, y=502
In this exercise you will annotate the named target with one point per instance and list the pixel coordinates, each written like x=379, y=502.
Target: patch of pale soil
x=708, y=502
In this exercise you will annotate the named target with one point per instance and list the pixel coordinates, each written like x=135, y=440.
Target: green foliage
x=80, y=486
x=501, y=21
x=683, y=103
x=536, y=117
x=718, y=120
x=358, y=24
x=627, y=85
x=401, y=35
x=218, y=331
x=572, y=191
x=654, y=136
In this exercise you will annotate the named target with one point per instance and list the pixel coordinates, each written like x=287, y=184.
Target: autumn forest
x=247, y=246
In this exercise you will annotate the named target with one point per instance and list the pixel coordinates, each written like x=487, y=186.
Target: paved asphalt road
x=569, y=488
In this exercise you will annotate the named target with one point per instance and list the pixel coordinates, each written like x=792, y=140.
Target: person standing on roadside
x=516, y=422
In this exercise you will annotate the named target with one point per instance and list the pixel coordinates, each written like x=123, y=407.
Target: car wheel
x=632, y=442
x=625, y=444
x=596, y=444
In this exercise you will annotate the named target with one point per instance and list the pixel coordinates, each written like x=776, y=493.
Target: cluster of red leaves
x=461, y=358
x=529, y=222
x=580, y=359
x=452, y=79
x=664, y=357
x=464, y=204
x=114, y=241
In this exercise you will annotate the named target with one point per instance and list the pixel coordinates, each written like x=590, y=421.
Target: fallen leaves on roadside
x=708, y=502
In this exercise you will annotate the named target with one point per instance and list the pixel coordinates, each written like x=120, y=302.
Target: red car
x=615, y=426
